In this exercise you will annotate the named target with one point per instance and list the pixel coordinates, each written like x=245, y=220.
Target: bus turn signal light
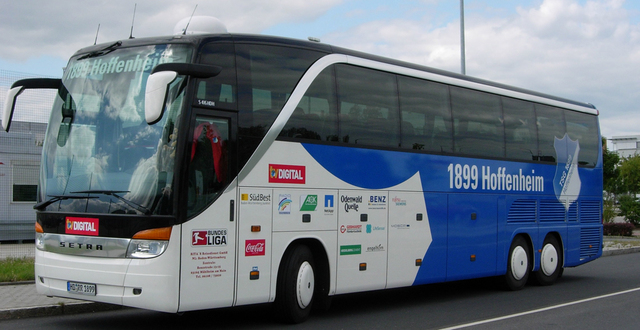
x=39, y=228
x=161, y=234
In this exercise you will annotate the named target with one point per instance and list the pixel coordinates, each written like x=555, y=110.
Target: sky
x=584, y=50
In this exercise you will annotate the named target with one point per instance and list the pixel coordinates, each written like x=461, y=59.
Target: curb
x=54, y=310
x=93, y=307
x=620, y=251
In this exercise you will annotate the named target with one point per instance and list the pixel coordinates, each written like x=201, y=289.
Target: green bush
x=630, y=209
x=617, y=229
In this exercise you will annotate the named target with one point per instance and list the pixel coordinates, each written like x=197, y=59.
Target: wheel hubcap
x=519, y=263
x=305, y=285
x=549, y=259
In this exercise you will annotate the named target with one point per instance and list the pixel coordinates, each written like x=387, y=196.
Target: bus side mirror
x=17, y=88
x=161, y=77
x=155, y=95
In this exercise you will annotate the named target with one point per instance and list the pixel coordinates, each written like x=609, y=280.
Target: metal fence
x=20, y=153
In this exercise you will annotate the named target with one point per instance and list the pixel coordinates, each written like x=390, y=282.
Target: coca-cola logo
x=254, y=247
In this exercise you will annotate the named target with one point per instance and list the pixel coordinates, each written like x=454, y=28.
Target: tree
x=610, y=170
x=630, y=174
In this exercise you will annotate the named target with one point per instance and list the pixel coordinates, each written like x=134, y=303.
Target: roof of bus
x=195, y=39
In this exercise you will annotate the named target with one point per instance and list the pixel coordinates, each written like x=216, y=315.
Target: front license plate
x=81, y=288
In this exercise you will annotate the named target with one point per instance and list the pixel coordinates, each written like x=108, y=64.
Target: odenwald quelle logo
x=566, y=182
x=287, y=174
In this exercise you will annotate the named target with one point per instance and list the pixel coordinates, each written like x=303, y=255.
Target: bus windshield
x=100, y=154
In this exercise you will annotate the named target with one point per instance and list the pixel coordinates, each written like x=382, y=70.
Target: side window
x=25, y=180
x=368, y=102
x=219, y=91
x=478, y=124
x=208, y=166
x=266, y=77
x=426, y=115
x=520, y=129
x=550, y=121
x=583, y=128
x=316, y=116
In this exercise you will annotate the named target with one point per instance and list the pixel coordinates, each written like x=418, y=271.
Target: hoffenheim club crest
x=566, y=182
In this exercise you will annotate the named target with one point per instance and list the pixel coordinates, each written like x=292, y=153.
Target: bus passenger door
x=209, y=235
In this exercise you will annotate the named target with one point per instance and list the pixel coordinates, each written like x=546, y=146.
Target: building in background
x=20, y=152
x=626, y=146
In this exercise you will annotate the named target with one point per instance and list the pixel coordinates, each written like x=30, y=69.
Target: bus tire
x=296, y=284
x=551, y=262
x=518, y=264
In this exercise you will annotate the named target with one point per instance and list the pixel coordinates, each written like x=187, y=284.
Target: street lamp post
x=462, y=56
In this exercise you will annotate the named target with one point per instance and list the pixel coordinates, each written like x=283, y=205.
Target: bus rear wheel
x=551, y=262
x=518, y=264
x=296, y=284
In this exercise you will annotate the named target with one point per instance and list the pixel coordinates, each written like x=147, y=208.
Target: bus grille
x=522, y=210
x=551, y=210
x=590, y=212
x=590, y=239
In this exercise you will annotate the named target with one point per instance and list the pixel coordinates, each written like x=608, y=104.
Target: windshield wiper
x=103, y=51
x=55, y=198
x=115, y=193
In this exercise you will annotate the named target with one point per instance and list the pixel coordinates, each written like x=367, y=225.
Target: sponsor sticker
x=351, y=202
x=254, y=247
x=284, y=204
x=377, y=202
x=346, y=250
x=376, y=248
x=399, y=201
x=255, y=199
x=328, y=204
x=350, y=229
x=308, y=202
x=287, y=174
x=81, y=226
x=372, y=228
x=209, y=237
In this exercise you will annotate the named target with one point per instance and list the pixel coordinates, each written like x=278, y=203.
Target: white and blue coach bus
x=200, y=171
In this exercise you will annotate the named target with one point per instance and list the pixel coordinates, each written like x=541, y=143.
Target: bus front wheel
x=518, y=264
x=551, y=262
x=296, y=284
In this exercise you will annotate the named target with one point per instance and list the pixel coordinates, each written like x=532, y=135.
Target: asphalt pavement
x=20, y=300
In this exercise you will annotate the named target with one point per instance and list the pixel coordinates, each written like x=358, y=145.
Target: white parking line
x=540, y=310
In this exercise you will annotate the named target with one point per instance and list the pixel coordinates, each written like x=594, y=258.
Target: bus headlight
x=40, y=241
x=149, y=243
x=144, y=249
x=39, y=236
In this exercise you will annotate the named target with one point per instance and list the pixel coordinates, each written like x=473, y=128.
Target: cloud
x=587, y=52
x=31, y=28
x=583, y=50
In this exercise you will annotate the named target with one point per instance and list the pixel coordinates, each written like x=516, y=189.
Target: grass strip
x=16, y=269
